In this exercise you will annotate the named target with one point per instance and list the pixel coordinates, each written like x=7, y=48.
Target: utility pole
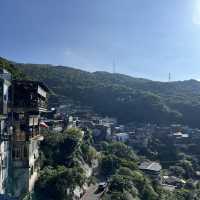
x=114, y=67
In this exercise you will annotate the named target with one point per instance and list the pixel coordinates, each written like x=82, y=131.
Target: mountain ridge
x=122, y=96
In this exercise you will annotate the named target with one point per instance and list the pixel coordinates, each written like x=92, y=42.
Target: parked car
x=101, y=187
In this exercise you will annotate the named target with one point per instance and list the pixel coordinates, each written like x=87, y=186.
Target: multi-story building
x=29, y=101
x=152, y=169
x=5, y=79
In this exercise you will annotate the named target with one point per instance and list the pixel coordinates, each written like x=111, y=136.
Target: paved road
x=90, y=194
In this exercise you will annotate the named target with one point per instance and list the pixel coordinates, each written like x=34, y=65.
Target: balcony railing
x=24, y=136
x=31, y=105
x=42, y=104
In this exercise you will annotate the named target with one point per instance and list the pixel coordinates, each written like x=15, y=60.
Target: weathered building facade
x=5, y=83
x=28, y=103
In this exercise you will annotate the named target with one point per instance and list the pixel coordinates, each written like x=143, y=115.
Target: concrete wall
x=33, y=165
x=20, y=181
x=4, y=161
x=24, y=177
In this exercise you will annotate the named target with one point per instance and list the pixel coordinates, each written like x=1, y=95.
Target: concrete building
x=107, y=121
x=180, y=135
x=101, y=132
x=152, y=169
x=121, y=137
x=29, y=102
x=5, y=83
x=173, y=181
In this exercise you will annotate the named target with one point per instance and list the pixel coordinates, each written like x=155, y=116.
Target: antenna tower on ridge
x=114, y=67
x=169, y=77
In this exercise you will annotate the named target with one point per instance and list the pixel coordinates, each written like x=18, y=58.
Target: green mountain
x=127, y=98
x=9, y=66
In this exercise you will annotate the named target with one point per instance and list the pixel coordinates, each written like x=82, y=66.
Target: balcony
x=38, y=105
x=42, y=105
x=20, y=137
x=25, y=136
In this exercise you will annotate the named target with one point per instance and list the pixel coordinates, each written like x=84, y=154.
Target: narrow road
x=90, y=194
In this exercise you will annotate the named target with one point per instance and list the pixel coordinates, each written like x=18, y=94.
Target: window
x=25, y=152
x=17, y=153
x=32, y=170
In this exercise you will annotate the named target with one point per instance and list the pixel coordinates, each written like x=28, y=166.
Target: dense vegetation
x=126, y=182
x=63, y=157
x=64, y=154
x=17, y=74
x=119, y=164
x=125, y=97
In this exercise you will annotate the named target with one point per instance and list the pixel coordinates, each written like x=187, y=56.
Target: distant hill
x=117, y=95
x=17, y=73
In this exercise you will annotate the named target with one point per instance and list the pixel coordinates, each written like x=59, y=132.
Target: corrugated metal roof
x=152, y=166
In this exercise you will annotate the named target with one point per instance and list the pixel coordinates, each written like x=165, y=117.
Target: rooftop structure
x=29, y=96
x=174, y=181
x=152, y=169
x=150, y=166
x=180, y=135
x=122, y=137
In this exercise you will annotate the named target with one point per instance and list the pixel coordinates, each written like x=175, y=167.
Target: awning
x=44, y=125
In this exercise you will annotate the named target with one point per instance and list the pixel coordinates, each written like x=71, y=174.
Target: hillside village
x=167, y=155
x=39, y=143
x=99, y=100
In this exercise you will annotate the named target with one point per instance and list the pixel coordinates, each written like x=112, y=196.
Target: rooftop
x=122, y=134
x=151, y=166
x=180, y=134
x=172, y=179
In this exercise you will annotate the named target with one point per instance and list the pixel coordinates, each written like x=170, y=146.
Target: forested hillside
x=129, y=99
x=17, y=73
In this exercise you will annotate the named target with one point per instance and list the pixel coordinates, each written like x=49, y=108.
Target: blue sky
x=146, y=38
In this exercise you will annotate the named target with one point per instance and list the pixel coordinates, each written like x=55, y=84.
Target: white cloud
x=196, y=19
x=68, y=52
x=196, y=15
